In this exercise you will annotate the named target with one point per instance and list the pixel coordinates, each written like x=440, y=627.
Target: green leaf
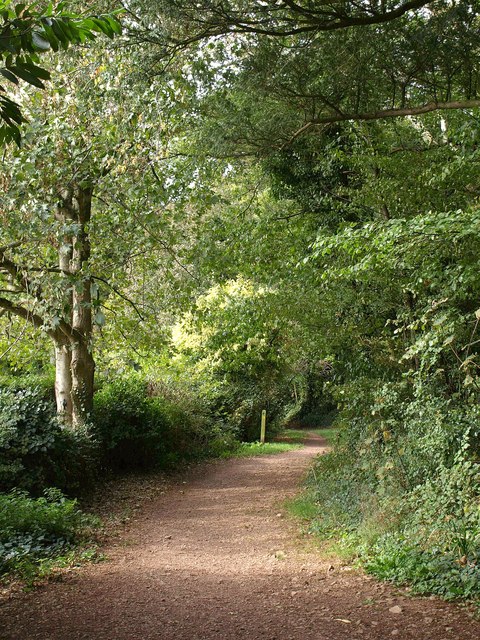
x=28, y=76
x=7, y=43
x=60, y=33
x=19, y=9
x=39, y=72
x=9, y=75
x=114, y=24
x=50, y=35
x=102, y=26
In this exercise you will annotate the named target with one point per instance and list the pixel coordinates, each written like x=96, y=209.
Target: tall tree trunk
x=63, y=352
x=75, y=366
x=82, y=370
x=72, y=334
x=82, y=364
x=63, y=381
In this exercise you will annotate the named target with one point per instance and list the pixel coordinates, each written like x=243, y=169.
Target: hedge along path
x=212, y=558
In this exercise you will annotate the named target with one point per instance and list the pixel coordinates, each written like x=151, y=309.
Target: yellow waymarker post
x=263, y=427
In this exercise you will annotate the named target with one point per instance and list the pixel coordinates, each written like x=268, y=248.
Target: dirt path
x=215, y=559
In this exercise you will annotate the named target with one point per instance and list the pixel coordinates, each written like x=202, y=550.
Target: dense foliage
x=139, y=426
x=27, y=32
x=35, y=451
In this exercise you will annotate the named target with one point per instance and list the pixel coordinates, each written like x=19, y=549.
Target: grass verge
x=250, y=449
x=299, y=435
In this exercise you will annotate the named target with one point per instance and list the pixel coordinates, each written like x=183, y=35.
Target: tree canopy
x=26, y=33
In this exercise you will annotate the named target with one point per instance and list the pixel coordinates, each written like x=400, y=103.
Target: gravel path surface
x=216, y=558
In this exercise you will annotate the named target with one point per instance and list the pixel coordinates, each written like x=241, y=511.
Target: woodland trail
x=214, y=558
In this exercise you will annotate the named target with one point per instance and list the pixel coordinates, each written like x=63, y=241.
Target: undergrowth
x=368, y=500
x=38, y=534
x=299, y=435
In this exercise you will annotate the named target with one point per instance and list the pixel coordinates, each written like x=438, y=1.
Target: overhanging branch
x=120, y=295
x=17, y=274
x=9, y=307
x=62, y=327
x=383, y=114
x=206, y=20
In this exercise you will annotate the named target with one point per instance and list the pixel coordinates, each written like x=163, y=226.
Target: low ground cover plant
x=36, y=530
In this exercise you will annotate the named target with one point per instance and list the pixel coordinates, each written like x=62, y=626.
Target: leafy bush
x=35, y=450
x=35, y=529
x=74, y=461
x=138, y=430
x=128, y=426
x=436, y=547
x=339, y=493
x=27, y=434
x=445, y=511
x=43, y=381
x=392, y=558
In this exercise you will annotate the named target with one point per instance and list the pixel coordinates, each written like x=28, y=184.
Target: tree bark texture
x=82, y=362
x=63, y=381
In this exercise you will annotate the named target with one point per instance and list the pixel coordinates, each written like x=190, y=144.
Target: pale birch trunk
x=63, y=381
x=74, y=363
x=72, y=333
x=82, y=363
x=63, y=352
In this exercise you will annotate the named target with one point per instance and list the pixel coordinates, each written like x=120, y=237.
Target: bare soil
x=213, y=556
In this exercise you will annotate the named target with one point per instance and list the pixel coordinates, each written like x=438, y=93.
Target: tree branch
x=18, y=275
x=121, y=295
x=384, y=114
x=26, y=314
x=286, y=19
x=39, y=323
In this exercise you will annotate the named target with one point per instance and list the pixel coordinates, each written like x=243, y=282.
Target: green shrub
x=392, y=558
x=340, y=493
x=74, y=461
x=222, y=442
x=136, y=430
x=27, y=434
x=401, y=489
x=126, y=425
x=43, y=380
x=445, y=511
x=36, y=451
x=436, y=545
x=34, y=529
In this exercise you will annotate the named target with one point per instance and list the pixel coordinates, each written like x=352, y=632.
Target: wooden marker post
x=263, y=427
